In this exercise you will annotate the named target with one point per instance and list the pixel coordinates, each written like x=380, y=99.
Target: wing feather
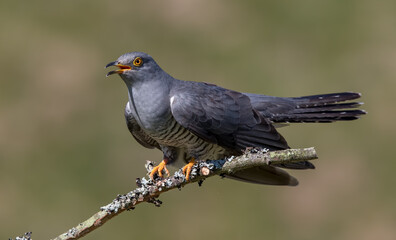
x=222, y=116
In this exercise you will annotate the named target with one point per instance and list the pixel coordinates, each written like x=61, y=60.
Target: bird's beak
x=122, y=69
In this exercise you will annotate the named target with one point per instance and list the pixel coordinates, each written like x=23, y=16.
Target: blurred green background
x=65, y=150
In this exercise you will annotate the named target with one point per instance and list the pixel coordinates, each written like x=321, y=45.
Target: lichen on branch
x=149, y=190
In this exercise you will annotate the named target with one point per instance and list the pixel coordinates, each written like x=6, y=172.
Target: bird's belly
x=188, y=143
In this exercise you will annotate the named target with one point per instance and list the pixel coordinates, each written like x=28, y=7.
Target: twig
x=26, y=236
x=149, y=190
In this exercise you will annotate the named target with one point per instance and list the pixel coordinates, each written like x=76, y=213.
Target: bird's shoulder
x=203, y=94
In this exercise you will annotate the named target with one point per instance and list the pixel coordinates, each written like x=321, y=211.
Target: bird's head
x=135, y=66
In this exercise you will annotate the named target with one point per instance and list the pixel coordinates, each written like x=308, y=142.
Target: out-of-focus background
x=65, y=150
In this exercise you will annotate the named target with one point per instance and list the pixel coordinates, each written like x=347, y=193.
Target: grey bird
x=191, y=121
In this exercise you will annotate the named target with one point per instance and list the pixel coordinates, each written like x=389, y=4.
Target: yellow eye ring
x=138, y=62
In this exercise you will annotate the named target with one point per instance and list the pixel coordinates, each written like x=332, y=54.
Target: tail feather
x=324, y=99
x=268, y=175
x=315, y=108
x=327, y=107
x=319, y=116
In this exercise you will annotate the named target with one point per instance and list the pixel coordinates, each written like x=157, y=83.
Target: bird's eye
x=138, y=62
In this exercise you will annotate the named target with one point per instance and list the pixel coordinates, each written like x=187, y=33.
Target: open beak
x=122, y=68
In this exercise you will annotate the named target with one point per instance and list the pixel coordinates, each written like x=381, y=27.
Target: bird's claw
x=187, y=168
x=159, y=168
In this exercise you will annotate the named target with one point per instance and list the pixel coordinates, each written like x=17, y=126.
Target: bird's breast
x=150, y=107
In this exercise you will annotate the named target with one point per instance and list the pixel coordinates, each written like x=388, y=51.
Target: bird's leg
x=188, y=167
x=159, y=168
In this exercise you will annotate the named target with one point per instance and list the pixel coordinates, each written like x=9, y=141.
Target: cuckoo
x=190, y=121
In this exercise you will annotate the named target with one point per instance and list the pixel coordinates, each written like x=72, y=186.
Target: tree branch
x=149, y=190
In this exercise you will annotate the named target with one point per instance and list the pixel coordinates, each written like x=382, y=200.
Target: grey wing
x=137, y=132
x=227, y=118
x=222, y=116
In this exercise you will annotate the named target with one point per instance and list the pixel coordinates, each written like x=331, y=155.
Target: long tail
x=316, y=108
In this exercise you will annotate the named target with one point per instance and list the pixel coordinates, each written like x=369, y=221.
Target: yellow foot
x=159, y=168
x=187, y=168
